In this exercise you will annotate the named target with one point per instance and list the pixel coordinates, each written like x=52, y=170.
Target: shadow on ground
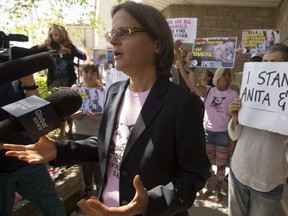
x=208, y=207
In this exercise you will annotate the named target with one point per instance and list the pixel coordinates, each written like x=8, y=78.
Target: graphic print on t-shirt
x=217, y=103
x=121, y=136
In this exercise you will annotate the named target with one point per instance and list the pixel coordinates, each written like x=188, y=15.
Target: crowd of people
x=151, y=150
x=86, y=123
x=256, y=189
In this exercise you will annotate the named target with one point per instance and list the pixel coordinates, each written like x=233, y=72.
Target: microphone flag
x=36, y=115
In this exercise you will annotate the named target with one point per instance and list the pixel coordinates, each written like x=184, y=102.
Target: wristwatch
x=31, y=87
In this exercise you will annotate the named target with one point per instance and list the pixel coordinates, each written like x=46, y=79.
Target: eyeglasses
x=123, y=32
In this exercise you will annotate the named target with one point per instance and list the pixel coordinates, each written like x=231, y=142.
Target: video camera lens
x=55, y=45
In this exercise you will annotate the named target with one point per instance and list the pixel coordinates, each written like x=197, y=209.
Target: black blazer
x=166, y=148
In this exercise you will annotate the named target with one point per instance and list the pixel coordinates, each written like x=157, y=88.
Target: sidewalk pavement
x=202, y=207
x=208, y=207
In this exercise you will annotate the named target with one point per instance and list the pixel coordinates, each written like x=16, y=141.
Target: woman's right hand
x=42, y=151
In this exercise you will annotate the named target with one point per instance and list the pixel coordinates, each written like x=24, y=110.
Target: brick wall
x=226, y=21
x=282, y=21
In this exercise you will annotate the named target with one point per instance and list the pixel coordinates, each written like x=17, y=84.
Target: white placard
x=183, y=29
x=264, y=96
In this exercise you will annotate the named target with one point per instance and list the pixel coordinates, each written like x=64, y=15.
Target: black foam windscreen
x=20, y=52
x=41, y=120
x=65, y=103
x=15, y=69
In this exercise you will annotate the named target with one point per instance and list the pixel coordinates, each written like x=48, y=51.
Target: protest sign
x=110, y=57
x=183, y=29
x=257, y=40
x=214, y=52
x=100, y=56
x=113, y=75
x=92, y=98
x=264, y=96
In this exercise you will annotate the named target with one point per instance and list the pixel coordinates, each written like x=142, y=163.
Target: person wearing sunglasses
x=150, y=144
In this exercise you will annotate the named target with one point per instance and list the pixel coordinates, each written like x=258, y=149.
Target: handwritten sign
x=257, y=40
x=183, y=29
x=214, y=52
x=264, y=96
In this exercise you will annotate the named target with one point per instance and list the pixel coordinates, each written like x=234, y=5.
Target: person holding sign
x=258, y=167
x=150, y=144
x=216, y=118
x=87, y=123
x=181, y=56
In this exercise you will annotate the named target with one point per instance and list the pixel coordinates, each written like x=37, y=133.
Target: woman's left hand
x=93, y=207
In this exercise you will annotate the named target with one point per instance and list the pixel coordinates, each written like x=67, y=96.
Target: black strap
x=207, y=95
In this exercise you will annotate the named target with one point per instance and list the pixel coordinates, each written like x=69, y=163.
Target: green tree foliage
x=33, y=17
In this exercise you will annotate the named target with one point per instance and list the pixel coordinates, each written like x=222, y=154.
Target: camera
x=55, y=45
x=5, y=50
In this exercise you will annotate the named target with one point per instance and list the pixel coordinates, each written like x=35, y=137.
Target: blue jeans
x=245, y=201
x=33, y=183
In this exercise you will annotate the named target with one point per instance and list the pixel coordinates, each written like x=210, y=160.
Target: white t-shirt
x=127, y=116
x=259, y=158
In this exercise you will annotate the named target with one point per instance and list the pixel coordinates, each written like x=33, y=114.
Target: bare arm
x=182, y=70
x=176, y=45
x=198, y=89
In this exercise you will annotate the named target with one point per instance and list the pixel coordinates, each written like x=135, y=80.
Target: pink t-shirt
x=216, y=116
x=127, y=116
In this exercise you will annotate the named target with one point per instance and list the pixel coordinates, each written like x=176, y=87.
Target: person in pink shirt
x=216, y=119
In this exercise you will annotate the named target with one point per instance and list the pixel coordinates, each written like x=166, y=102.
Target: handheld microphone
x=37, y=116
x=15, y=69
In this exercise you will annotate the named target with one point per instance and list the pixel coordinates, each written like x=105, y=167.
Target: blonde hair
x=62, y=32
x=219, y=73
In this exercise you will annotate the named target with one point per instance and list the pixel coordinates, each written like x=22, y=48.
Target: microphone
x=37, y=116
x=17, y=68
x=20, y=52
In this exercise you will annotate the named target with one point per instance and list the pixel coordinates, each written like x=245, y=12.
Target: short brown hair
x=89, y=65
x=157, y=28
x=278, y=47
